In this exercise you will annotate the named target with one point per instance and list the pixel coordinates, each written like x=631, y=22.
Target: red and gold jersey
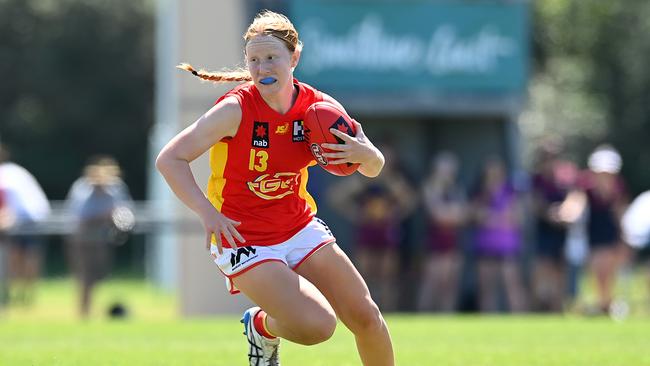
x=259, y=176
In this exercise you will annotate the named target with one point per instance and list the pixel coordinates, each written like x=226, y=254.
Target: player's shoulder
x=228, y=109
x=230, y=105
x=240, y=92
x=317, y=95
x=304, y=85
x=225, y=116
x=310, y=91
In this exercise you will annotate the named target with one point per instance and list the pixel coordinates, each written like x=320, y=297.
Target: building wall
x=207, y=34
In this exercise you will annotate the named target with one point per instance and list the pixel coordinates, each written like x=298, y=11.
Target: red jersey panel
x=259, y=176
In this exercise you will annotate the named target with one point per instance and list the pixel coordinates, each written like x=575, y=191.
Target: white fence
x=146, y=217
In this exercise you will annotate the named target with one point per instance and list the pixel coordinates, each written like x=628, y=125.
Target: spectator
x=636, y=225
x=445, y=204
x=377, y=208
x=576, y=251
x=497, y=214
x=636, y=222
x=100, y=204
x=603, y=194
x=25, y=204
x=551, y=184
x=4, y=291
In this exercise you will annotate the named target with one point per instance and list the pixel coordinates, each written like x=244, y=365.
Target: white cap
x=605, y=159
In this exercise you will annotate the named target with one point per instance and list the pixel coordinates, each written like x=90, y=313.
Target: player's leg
x=488, y=279
x=513, y=284
x=296, y=310
x=366, y=263
x=544, y=284
x=32, y=268
x=429, y=285
x=604, y=270
x=540, y=284
x=337, y=278
x=560, y=279
x=15, y=263
x=388, y=263
x=449, y=285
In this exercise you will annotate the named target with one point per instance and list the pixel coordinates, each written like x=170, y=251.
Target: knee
x=365, y=318
x=317, y=329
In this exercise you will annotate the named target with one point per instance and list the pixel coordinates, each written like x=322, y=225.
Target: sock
x=259, y=322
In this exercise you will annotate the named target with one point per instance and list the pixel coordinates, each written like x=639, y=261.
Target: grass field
x=50, y=334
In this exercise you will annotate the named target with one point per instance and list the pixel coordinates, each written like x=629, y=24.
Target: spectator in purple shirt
x=497, y=238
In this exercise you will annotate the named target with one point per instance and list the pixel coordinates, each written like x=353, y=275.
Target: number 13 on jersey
x=258, y=160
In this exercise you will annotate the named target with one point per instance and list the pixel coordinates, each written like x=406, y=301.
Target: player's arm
x=573, y=206
x=174, y=159
x=357, y=149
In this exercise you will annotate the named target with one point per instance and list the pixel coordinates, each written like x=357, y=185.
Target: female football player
x=258, y=216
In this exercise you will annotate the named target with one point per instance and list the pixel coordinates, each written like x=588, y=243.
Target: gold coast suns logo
x=274, y=187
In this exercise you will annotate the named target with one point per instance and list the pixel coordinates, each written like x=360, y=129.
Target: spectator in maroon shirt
x=602, y=193
x=446, y=206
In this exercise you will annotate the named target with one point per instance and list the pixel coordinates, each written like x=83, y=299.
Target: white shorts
x=292, y=252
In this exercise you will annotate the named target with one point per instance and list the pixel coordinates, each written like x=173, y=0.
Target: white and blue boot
x=261, y=350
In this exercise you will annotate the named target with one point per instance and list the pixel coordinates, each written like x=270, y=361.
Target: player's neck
x=282, y=102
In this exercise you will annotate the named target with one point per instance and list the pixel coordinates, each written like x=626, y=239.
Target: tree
x=77, y=81
x=591, y=81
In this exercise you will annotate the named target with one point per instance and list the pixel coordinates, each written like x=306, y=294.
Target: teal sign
x=437, y=46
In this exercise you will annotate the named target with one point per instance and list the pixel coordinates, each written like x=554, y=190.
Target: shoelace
x=273, y=360
x=256, y=353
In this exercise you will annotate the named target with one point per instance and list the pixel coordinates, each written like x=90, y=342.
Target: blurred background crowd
x=512, y=181
x=495, y=244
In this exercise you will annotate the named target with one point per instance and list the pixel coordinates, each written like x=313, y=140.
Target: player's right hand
x=218, y=224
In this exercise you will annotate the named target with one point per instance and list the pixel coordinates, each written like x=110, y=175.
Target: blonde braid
x=219, y=76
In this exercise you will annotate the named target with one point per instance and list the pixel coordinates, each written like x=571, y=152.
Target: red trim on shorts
x=329, y=241
x=232, y=285
x=232, y=290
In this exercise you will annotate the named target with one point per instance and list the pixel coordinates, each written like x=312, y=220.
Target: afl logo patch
x=318, y=154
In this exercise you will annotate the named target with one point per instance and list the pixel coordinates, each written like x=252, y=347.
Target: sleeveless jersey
x=259, y=176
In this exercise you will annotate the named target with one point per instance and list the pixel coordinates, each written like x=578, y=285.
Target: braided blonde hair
x=265, y=23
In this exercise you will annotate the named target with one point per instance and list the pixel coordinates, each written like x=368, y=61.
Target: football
x=319, y=118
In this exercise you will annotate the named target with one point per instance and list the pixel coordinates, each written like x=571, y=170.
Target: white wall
x=207, y=34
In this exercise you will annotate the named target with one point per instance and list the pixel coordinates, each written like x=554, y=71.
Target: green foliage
x=77, y=81
x=601, y=48
x=558, y=102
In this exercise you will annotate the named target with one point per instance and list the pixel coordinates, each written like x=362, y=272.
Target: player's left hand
x=355, y=149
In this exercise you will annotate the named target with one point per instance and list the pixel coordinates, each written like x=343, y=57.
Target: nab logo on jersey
x=260, y=134
x=298, y=131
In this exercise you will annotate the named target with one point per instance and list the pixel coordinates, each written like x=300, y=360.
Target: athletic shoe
x=261, y=350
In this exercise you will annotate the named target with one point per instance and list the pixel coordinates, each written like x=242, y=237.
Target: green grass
x=50, y=334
